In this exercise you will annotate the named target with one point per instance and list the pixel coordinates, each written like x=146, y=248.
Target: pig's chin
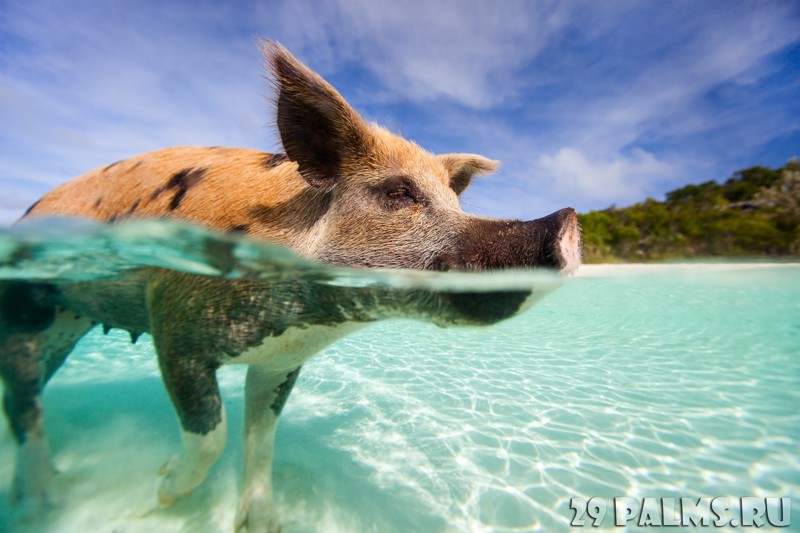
x=479, y=309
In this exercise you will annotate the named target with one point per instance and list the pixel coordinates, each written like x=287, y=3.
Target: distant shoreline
x=604, y=269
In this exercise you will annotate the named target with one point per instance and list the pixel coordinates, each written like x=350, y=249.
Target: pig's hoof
x=31, y=499
x=249, y=524
x=181, y=477
x=256, y=516
x=34, y=493
x=33, y=488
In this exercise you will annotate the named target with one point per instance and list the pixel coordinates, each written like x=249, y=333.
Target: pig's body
x=346, y=193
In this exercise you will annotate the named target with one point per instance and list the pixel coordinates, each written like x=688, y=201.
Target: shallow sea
x=665, y=382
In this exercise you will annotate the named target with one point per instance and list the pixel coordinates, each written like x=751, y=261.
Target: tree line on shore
x=754, y=213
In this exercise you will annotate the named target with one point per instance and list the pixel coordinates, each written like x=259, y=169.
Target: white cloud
x=603, y=181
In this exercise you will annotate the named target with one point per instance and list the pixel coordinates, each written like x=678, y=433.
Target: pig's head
x=382, y=201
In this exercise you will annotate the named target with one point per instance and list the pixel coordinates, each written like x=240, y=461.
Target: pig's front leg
x=266, y=392
x=189, y=328
x=192, y=386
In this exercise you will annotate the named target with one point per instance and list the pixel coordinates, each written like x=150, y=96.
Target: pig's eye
x=399, y=192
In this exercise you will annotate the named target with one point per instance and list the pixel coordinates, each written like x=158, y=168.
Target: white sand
x=616, y=269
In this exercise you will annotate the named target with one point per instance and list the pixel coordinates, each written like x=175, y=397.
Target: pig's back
x=221, y=188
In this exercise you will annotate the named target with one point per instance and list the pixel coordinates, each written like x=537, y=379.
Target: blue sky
x=586, y=103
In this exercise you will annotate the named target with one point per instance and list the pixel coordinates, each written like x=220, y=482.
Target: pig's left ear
x=462, y=167
x=319, y=130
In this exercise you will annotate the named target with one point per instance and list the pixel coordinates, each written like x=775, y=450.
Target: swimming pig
x=346, y=192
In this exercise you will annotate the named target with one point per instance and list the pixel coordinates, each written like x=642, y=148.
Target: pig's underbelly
x=294, y=346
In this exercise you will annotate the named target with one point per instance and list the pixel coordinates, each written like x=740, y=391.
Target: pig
x=345, y=192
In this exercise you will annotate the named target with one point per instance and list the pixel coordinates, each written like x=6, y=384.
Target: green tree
x=756, y=212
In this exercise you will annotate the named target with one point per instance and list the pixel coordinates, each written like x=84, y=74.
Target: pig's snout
x=562, y=238
x=553, y=242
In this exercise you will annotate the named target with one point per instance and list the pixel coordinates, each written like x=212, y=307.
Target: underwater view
x=659, y=381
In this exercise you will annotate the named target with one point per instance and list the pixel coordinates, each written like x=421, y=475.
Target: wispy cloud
x=427, y=51
x=604, y=181
x=106, y=83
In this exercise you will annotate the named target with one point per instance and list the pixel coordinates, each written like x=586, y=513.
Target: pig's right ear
x=462, y=167
x=319, y=130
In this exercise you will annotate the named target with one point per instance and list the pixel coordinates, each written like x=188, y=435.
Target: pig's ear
x=319, y=130
x=462, y=167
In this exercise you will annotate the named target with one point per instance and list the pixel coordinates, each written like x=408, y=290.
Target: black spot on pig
x=133, y=207
x=112, y=165
x=180, y=182
x=273, y=160
x=283, y=391
x=31, y=208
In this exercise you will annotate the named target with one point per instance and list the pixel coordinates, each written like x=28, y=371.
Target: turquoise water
x=668, y=382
